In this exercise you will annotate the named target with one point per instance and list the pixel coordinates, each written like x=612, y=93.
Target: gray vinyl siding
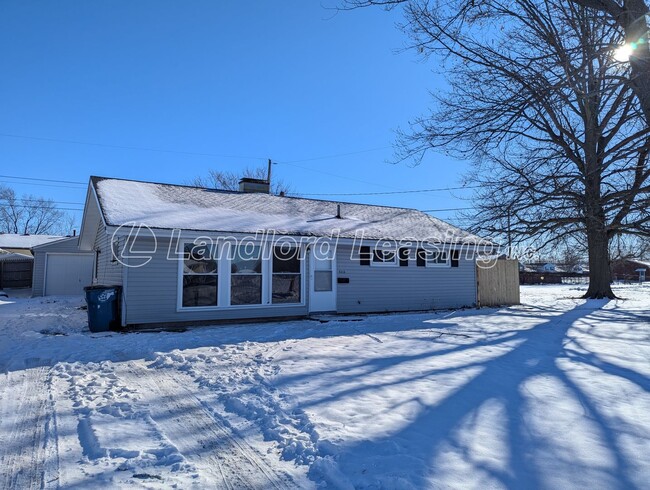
x=67, y=245
x=151, y=293
x=383, y=289
x=109, y=272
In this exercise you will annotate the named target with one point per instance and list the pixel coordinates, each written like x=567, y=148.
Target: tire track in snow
x=197, y=432
x=28, y=453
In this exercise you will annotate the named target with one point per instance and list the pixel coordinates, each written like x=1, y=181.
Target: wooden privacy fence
x=16, y=274
x=498, y=285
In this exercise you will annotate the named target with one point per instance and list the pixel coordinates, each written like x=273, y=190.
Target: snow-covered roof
x=169, y=206
x=644, y=263
x=11, y=240
x=14, y=257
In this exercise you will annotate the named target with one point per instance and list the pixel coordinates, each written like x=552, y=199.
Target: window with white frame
x=384, y=257
x=286, y=284
x=200, y=276
x=245, y=274
x=437, y=258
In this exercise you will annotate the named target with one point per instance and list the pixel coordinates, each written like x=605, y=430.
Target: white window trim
x=393, y=263
x=223, y=283
x=303, y=259
x=434, y=265
x=179, y=296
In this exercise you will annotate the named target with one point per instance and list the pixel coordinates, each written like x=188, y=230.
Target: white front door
x=322, y=279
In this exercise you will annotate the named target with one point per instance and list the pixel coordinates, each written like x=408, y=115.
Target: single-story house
x=23, y=244
x=630, y=270
x=60, y=268
x=185, y=254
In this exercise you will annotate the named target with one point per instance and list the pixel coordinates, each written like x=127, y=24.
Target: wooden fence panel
x=498, y=285
x=16, y=274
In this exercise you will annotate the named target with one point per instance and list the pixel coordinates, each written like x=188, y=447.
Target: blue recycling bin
x=103, y=307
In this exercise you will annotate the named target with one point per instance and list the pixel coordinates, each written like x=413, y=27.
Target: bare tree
x=219, y=179
x=30, y=215
x=631, y=16
x=560, y=144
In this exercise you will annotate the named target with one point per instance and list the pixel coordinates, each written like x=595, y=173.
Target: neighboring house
x=15, y=270
x=162, y=283
x=548, y=267
x=60, y=268
x=630, y=270
x=23, y=244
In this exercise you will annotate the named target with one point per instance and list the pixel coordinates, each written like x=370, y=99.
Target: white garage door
x=68, y=273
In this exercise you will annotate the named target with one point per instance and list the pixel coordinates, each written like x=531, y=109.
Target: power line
x=412, y=191
x=334, y=175
x=33, y=206
x=337, y=155
x=41, y=185
x=43, y=180
x=446, y=209
x=47, y=200
x=125, y=147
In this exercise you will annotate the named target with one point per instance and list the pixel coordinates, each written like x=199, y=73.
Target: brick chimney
x=250, y=185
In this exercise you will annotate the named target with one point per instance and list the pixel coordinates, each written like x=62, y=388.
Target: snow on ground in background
x=552, y=393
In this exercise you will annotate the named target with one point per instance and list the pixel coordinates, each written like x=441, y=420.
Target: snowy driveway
x=550, y=394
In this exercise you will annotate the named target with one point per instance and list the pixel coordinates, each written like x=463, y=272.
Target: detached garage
x=61, y=269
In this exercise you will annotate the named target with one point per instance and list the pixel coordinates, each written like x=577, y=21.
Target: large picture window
x=200, y=275
x=286, y=287
x=246, y=275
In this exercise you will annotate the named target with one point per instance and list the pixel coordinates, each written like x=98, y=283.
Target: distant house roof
x=14, y=257
x=642, y=263
x=167, y=206
x=13, y=241
x=52, y=242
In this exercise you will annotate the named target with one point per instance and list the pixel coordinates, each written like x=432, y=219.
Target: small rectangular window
x=384, y=257
x=421, y=257
x=403, y=257
x=322, y=281
x=200, y=276
x=437, y=258
x=365, y=255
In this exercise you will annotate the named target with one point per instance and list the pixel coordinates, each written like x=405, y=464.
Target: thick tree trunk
x=600, y=276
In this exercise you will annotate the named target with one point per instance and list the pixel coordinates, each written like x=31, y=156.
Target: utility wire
x=43, y=180
x=335, y=175
x=412, y=191
x=41, y=184
x=337, y=155
x=446, y=209
x=45, y=199
x=124, y=147
x=33, y=206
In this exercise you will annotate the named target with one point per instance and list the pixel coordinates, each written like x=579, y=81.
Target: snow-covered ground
x=552, y=394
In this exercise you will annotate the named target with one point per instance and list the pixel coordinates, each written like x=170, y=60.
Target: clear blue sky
x=289, y=80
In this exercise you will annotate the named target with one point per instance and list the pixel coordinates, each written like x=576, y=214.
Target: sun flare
x=623, y=53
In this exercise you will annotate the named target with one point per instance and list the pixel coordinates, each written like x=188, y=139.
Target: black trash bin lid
x=99, y=287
